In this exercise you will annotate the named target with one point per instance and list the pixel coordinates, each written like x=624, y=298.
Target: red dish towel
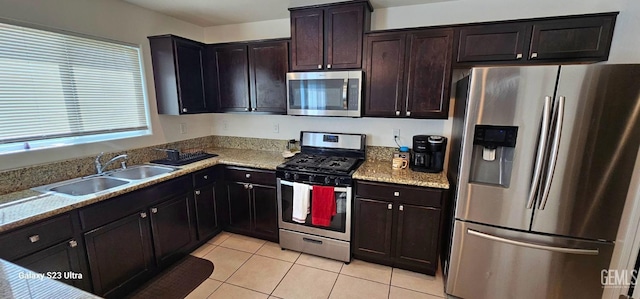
x=323, y=205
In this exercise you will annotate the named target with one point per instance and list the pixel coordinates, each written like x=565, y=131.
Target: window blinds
x=60, y=87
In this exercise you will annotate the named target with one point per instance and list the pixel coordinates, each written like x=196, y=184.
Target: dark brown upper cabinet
x=572, y=39
x=408, y=73
x=178, y=75
x=329, y=36
x=250, y=77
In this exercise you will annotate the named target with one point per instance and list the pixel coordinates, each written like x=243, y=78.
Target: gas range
x=325, y=159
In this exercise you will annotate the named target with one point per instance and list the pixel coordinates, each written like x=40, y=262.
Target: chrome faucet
x=100, y=168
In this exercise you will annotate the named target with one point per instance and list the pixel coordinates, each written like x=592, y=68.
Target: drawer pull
x=73, y=243
x=248, y=175
x=401, y=208
x=206, y=177
x=250, y=186
x=143, y=215
x=396, y=193
x=154, y=210
x=389, y=207
x=246, y=186
x=34, y=238
x=197, y=192
x=312, y=241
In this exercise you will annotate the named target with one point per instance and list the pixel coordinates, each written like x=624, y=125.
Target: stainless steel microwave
x=324, y=93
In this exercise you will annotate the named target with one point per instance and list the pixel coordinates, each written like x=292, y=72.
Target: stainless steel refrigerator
x=541, y=161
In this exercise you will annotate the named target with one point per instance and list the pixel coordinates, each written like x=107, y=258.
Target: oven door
x=340, y=226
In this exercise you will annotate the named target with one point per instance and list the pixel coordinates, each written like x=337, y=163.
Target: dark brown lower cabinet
x=397, y=226
x=120, y=254
x=172, y=229
x=252, y=203
x=206, y=216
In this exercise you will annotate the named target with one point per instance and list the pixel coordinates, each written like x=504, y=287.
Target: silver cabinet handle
x=408, y=113
x=34, y=238
x=206, y=177
x=250, y=186
x=401, y=208
x=396, y=193
x=555, y=147
x=389, y=206
x=519, y=56
x=328, y=66
x=533, y=245
x=143, y=215
x=246, y=186
x=246, y=109
x=73, y=243
x=197, y=192
x=154, y=210
x=248, y=175
x=397, y=113
x=534, y=55
x=184, y=110
x=319, y=66
x=542, y=146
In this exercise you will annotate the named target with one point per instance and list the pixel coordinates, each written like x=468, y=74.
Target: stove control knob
x=296, y=176
x=337, y=181
x=327, y=180
x=287, y=175
x=312, y=178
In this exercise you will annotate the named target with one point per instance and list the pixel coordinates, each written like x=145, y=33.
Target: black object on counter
x=428, y=153
x=180, y=159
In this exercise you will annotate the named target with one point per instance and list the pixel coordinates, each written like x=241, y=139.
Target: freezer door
x=498, y=263
x=598, y=144
x=505, y=96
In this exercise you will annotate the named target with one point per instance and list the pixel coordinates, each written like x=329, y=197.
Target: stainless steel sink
x=86, y=186
x=140, y=172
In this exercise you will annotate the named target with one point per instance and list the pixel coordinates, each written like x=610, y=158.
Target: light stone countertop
x=381, y=171
x=17, y=282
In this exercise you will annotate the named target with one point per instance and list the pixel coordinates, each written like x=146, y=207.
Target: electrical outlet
x=396, y=133
x=225, y=125
x=183, y=128
x=276, y=128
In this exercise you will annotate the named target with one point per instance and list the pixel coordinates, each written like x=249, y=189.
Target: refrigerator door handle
x=533, y=245
x=542, y=146
x=555, y=148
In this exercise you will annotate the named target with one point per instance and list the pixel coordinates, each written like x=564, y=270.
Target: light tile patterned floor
x=251, y=268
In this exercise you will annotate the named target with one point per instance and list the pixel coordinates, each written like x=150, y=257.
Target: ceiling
x=222, y=12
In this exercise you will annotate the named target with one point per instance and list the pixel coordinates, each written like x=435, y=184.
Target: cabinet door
x=384, y=68
x=307, y=39
x=344, y=31
x=232, y=72
x=500, y=42
x=372, y=233
x=206, y=218
x=120, y=254
x=171, y=227
x=191, y=90
x=64, y=258
x=238, y=198
x=416, y=241
x=429, y=73
x=572, y=39
x=265, y=212
x=268, y=67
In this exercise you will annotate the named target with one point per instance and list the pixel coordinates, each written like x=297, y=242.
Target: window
x=59, y=89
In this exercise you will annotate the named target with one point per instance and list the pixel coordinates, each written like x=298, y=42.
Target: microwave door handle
x=555, y=148
x=542, y=146
x=345, y=88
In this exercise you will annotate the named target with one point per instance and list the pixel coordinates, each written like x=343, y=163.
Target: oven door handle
x=337, y=189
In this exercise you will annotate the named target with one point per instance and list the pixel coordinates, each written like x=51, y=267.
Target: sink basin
x=87, y=186
x=141, y=172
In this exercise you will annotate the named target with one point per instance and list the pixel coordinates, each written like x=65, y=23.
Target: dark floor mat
x=177, y=281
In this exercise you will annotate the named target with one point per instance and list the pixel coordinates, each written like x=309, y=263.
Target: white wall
x=115, y=20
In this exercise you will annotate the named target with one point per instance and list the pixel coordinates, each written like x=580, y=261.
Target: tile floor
x=251, y=268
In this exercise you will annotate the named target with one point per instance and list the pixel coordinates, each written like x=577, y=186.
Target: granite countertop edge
x=372, y=170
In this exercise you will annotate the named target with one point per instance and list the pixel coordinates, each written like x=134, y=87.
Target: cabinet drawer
x=254, y=176
x=35, y=237
x=203, y=178
x=406, y=194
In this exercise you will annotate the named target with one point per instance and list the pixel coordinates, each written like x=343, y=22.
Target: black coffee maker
x=428, y=152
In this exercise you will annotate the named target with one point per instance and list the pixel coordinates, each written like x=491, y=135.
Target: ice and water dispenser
x=492, y=158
